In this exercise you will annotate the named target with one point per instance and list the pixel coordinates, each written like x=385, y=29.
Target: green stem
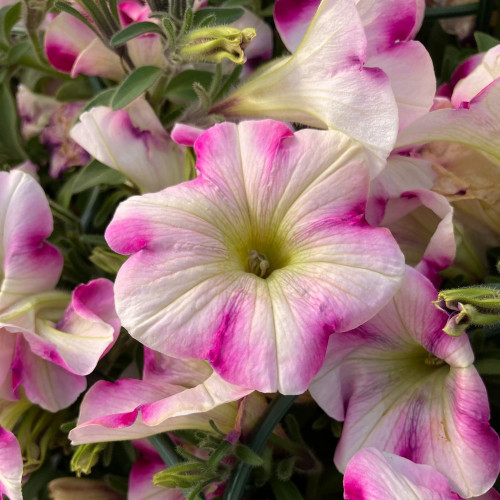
x=165, y=448
x=433, y=13
x=271, y=418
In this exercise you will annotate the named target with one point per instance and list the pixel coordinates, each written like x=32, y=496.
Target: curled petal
x=372, y=475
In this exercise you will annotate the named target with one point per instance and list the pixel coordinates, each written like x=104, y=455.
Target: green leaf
x=78, y=89
x=101, y=99
x=11, y=150
x=284, y=469
x=9, y=16
x=140, y=80
x=180, y=87
x=133, y=31
x=17, y=51
x=93, y=174
x=484, y=41
x=245, y=454
x=285, y=491
x=64, y=7
x=222, y=16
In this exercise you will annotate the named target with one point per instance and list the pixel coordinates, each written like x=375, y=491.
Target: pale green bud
x=217, y=43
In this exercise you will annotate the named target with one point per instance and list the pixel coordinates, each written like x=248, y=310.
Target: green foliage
x=11, y=150
x=93, y=174
x=220, y=16
x=135, y=84
x=134, y=30
x=484, y=41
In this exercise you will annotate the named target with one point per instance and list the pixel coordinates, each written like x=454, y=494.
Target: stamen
x=258, y=263
x=433, y=360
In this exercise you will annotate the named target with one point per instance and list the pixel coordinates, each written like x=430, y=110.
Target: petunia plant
x=249, y=249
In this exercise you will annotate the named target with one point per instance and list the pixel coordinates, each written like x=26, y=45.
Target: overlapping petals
x=133, y=141
x=51, y=347
x=74, y=48
x=266, y=204
x=173, y=394
x=403, y=386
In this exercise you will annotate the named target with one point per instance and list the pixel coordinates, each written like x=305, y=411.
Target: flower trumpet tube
x=324, y=85
x=253, y=264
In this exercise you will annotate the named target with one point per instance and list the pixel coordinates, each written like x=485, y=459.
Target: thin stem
x=165, y=448
x=271, y=418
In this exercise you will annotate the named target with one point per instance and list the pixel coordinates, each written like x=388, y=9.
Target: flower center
x=432, y=360
x=258, y=264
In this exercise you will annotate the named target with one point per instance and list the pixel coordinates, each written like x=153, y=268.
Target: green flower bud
x=217, y=43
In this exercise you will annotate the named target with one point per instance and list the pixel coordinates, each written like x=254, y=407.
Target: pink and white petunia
x=49, y=347
x=372, y=474
x=28, y=264
x=46, y=347
x=133, y=141
x=324, y=84
x=389, y=28
x=404, y=386
x=173, y=394
x=72, y=47
x=255, y=263
x=11, y=466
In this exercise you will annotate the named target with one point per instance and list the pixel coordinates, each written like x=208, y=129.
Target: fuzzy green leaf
x=140, y=80
x=133, y=31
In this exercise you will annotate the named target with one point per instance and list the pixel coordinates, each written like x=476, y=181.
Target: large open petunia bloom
x=404, y=386
x=254, y=264
x=11, y=466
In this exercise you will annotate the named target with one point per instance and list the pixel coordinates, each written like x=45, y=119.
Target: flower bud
x=72, y=488
x=217, y=43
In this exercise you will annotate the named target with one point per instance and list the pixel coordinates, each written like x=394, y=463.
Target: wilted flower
x=258, y=260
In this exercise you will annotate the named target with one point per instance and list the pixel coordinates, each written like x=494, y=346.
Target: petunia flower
x=173, y=394
x=49, y=339
x=389, y=28
x=324, y=84
x=72, y=47
x=404, y=386
x=255, y=263
x=133, y=141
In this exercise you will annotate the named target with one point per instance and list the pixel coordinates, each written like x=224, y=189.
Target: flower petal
x=133, y=142
x=372, y=475
x=11, y=466
x=29, y=264
x=411, y=73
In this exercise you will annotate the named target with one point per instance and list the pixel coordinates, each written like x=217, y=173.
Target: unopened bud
x=72, y=488
x=217, y=43
x=85, y=457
